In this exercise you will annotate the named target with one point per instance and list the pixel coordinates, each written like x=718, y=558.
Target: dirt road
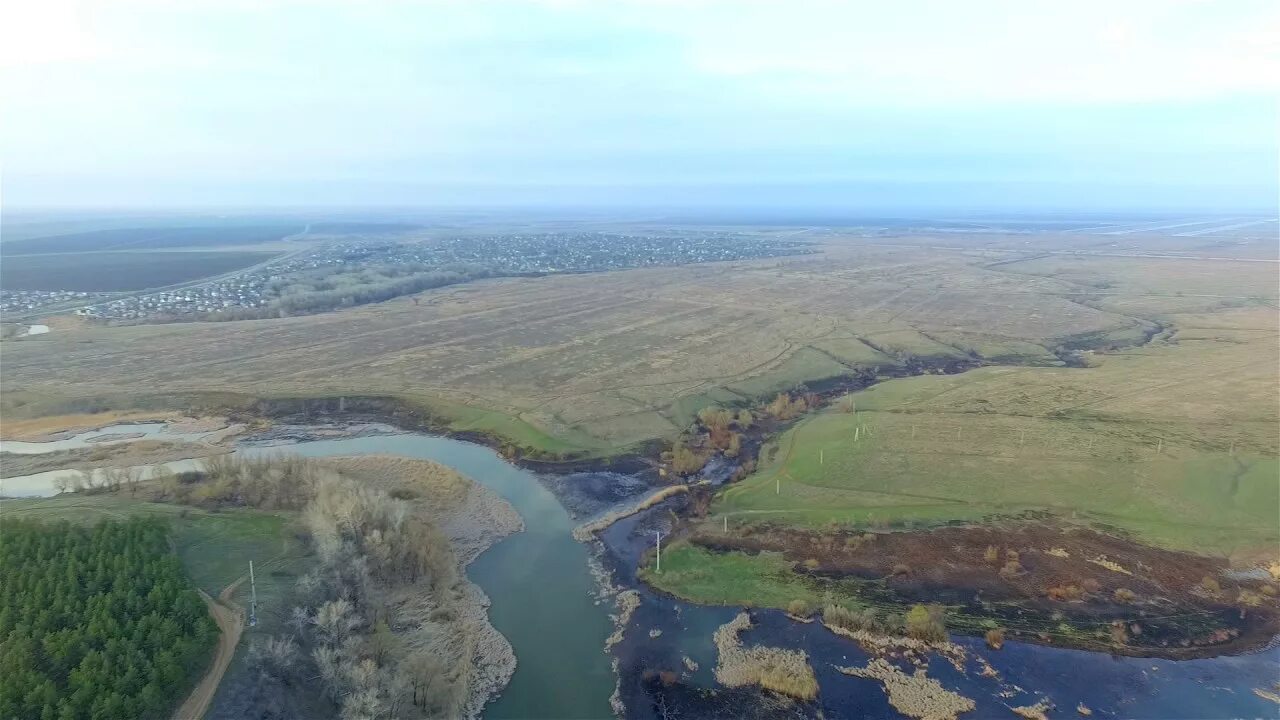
x=230, y=619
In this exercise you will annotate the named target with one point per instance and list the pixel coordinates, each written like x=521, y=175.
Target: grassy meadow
x=1173, y=442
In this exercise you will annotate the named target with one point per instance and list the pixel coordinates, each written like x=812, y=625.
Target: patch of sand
x=39, y=429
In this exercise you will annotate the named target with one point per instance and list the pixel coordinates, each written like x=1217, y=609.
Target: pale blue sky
x=1145, y=104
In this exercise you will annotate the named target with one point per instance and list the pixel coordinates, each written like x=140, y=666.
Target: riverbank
x=473, y=518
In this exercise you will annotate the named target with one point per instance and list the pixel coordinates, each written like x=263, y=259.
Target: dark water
x=542, y=591
x=1110, y=686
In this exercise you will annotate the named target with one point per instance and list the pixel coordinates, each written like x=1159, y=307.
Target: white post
x=253, y=602
x=726, y=524
x=1159, y=446
x=820, y=460
x=856, y=430
x=658, y=535
x=777, y=482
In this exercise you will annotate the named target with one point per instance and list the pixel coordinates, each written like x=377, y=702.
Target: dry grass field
x=597, y=363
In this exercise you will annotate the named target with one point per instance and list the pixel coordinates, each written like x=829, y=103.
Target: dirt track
x=230, y=619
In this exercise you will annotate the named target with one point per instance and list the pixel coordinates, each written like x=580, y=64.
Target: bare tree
x=335, y=621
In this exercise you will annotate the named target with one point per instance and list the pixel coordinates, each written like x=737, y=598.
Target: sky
x=982, y=104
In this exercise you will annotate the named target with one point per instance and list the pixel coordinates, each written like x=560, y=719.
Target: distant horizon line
x=922, y=211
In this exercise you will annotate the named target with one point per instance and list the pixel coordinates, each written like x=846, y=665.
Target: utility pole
x=253, y=602
x=658, y=535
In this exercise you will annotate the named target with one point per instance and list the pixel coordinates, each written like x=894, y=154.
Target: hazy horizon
x=921, y=107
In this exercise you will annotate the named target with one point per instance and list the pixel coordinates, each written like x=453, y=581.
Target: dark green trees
x=96, y=622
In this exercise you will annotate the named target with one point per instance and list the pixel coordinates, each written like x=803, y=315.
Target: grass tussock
x=786, y=672
x=916, y=695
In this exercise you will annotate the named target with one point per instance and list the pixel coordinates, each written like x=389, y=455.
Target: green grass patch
x=854, y=352
x=566, y=442
x=684, y=411
x=804, y=365
x=697, y=574
x=877, y=467
x=999, y=349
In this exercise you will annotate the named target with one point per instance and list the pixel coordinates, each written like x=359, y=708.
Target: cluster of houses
x=495, y=255
x=25, y=301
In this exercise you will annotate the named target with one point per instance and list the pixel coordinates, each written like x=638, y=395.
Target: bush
x=735, y=445
x=784, y=407
x=1065, y=593
x=1011, y=569
x=853, y=620
x=927, y=623
x=686, y=461
x=800, y=608
x=713, y=418
x=1210, y=585
x=1124, y=595
x=992, y=555
x=995, y=638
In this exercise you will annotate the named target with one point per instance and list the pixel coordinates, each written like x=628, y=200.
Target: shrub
x=800, y=608
x=1119, y=633
x=1065, y=593
x=734, y=447
x=784, y=407
x=901, y=569
x=992, y=555
x=1210, y=585
x=745, y=419
x=812, y=563
x=713, y=418
x=1091, y=585
x=927, y=623
x=1249, y=598
x=995, y=638
x=686, y=461
x=854, y=620
x=1011, y=569
x=1124, y=595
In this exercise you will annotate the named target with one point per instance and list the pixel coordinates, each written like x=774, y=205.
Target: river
x=544, y=600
